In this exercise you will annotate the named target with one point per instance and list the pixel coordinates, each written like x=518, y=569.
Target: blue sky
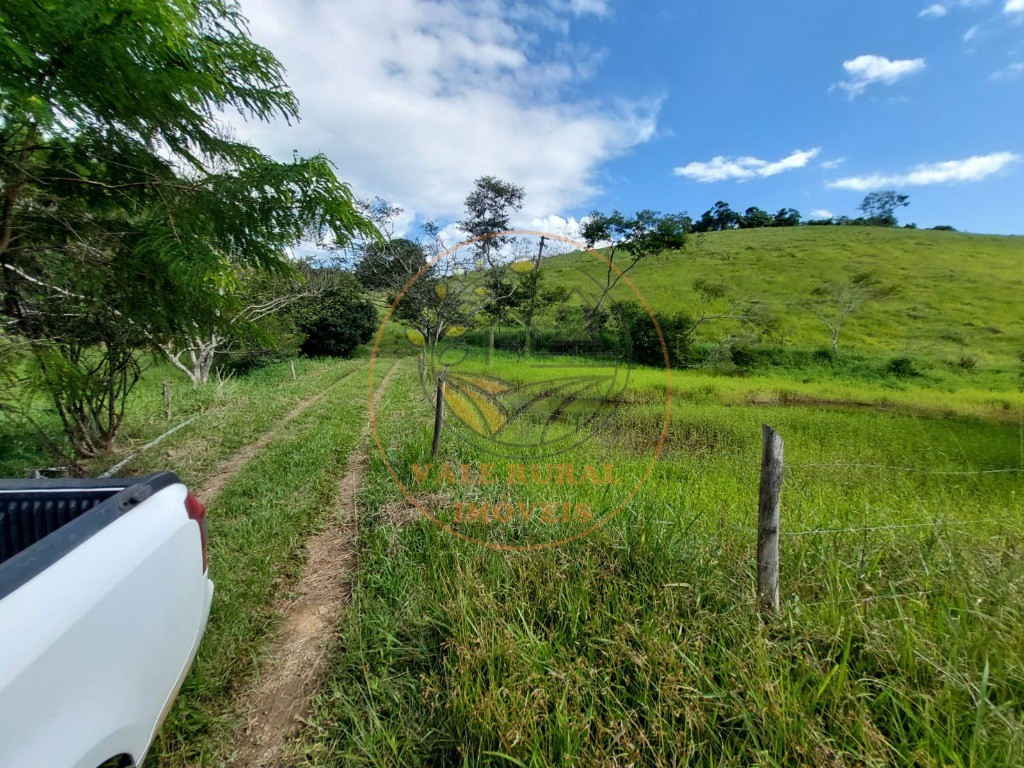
x=666, y=105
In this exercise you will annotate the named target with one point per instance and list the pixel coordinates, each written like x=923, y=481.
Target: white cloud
x=950, y=172
x=938, y=10
x=830, y=165
x=972, y=33
x=596, y=7
x=822, y=213
x=867, y=70
x=724, y=168
x=1011, y=72
x=570, y=228
x=414, y=99
x=1014, y=6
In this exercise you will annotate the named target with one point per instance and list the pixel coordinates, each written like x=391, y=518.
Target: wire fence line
x=868, y=528
x=933, y=524
x=916, y=470
x=868, y=598
x=770, y=530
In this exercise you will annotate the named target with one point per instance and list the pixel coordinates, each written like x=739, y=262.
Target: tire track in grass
x=297, y=655
x=258, y=529
x=226, y=469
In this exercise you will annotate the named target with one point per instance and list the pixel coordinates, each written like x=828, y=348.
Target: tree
x=336, y=321
x=718, y=218
x=646, y=234
x=833, y=303
x=389, y=264
x=787, y=217
x=678, y=329
x=489, y=208
x=127, y=215
x=755, y=218
x=533, y=296
x=243, y=326
x=880, y=207
x=433, y=304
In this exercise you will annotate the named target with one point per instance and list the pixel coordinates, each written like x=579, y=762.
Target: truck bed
x=43, y=520
x=104, y=598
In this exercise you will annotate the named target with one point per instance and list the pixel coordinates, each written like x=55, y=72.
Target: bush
x=902, y=367
x=274, y=339
x=745, y=358
x=634, y=322
x=337, y=321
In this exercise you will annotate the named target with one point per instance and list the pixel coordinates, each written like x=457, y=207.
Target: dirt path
x=226, y=469
x=290, y=674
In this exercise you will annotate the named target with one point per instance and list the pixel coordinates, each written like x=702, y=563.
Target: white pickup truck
x=104, y=597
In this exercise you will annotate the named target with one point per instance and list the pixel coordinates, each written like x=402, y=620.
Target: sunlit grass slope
x=957, y=296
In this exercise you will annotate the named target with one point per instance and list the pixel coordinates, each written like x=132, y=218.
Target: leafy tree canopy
x=336, y=321
x=880, y=207
x=489, y=208
x=390, y=265
x=122, y=197
x=755, y=218
x=111, y=156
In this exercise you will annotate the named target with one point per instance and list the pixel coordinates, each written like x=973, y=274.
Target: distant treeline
x=878, y=208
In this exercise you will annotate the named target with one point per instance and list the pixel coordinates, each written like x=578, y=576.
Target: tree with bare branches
x=834, y=303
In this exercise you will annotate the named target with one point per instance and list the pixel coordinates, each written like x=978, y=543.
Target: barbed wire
x=933, y=524
x=839, y=598
x=917, y=470
x=867, y=528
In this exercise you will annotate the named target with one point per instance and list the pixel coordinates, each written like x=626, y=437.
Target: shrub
x=634, y=322
x=902, y=367
x=336, y=322
x=273, y=339
x=744, y=357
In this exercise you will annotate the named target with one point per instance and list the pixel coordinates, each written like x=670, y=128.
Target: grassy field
x=639, y=644
x=958, y=295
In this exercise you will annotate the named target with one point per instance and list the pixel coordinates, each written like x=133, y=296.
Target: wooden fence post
x=439, y=412
x=167, y=400
x=768, y=520
x=291, y=364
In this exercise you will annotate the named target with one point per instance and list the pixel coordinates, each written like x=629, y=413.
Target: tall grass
x=640, y=643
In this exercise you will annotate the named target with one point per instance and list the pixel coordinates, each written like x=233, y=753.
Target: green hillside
x=957, y=296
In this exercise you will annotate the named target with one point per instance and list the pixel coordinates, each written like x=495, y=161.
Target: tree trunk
x=202, y=352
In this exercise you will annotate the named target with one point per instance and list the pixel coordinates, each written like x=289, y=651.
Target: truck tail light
x=197, y=512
